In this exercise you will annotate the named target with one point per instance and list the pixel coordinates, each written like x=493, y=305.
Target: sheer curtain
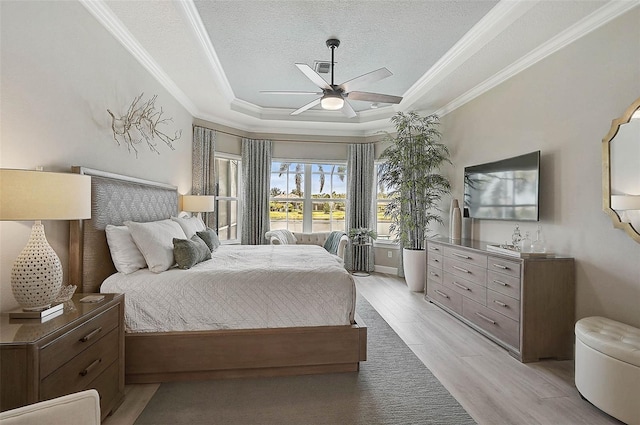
x=203, y=180
x=256, y=173
x=360, y=196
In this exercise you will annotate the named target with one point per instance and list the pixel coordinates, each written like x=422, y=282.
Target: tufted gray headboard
x=114, y=199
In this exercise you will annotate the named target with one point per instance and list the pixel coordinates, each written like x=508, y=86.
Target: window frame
x=237, y=198
x=378, y=241
x=307, y=199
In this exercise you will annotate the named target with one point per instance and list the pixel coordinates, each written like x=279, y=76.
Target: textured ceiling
x=216, y=56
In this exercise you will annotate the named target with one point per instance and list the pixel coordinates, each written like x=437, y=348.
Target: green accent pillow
x=209, y=237
x=189, y=252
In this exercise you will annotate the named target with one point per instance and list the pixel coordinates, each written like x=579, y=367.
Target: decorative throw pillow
x=155, y=241
x=189, y=252
x=190, y=225
x=124, y=252
x=209, y=237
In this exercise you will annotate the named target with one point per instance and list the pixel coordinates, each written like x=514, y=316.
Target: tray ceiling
x=216, y=56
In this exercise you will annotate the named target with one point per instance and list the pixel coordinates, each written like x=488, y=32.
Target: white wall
x=60, y=71
x=564, y=106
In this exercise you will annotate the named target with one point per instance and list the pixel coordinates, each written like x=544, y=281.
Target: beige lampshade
x=625, y=202
x=27, y=195
x=198, y=203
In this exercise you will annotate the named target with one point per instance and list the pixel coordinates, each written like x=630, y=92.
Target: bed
x=238, y=345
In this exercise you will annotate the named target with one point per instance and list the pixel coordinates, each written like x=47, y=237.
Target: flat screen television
x=504, y=190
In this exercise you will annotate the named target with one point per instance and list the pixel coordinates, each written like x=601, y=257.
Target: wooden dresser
x=80, y=349
x=525, y=305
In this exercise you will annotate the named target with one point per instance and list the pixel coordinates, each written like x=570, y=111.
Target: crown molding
x=203, y=38
x=492, y=24
x=595, y=20
x=106, y=17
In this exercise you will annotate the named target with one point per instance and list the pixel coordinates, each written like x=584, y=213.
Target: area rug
x=392, y=387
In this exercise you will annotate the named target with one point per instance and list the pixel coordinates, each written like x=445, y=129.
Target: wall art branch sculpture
x=140, y=124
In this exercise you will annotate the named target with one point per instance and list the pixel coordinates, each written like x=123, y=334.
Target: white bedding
x=241, y=287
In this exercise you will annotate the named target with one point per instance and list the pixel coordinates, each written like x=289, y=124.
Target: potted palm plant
x=411, y=174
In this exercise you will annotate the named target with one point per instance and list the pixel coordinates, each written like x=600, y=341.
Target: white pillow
x=155, y=241
x=190, y=225
x=124, y=252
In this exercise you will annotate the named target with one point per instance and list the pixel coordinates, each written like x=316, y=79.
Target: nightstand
x=79, y=349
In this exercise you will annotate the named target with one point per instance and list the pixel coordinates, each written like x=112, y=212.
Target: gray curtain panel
x=203, y=180
x=360, y=196
x=256, y=173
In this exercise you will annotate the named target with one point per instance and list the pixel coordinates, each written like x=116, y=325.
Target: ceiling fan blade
x=365, y=79
x=289, y=92
x=305, y=107
x=374, y=97
x=347, y=109
x=313, y=76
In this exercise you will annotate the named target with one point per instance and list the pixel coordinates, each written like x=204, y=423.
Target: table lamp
x=36, y=277
x=198, y=203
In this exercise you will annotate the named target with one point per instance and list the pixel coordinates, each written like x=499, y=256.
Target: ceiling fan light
x=332, y=102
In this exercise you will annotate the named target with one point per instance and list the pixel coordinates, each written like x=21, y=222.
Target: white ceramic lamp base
x=36, y=277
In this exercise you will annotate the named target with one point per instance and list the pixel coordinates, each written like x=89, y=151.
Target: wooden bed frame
x=172, y=356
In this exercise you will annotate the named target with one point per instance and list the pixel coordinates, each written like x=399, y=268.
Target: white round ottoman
x=607, y=365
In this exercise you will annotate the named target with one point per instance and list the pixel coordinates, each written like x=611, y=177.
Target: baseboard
x=386, y=270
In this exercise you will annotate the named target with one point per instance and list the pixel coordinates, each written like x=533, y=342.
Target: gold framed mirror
x=621, y=171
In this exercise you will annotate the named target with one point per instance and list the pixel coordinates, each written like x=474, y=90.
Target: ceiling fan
x=334, y=97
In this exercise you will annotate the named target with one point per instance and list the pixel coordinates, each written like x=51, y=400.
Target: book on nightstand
x=54, y=310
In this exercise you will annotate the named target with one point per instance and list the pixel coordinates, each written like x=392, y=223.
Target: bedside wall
x=60, y=72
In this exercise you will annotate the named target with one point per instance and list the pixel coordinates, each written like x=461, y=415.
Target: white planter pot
x=415, y=268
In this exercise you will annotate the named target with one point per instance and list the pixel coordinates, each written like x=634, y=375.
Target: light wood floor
x=490, y=384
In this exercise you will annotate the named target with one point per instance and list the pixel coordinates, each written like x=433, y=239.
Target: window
x=383, y=221
x=308, y=197
x=227, y=211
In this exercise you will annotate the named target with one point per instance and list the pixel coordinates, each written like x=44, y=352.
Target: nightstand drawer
x=77, y=373
x=107, y=385
x=55, y=354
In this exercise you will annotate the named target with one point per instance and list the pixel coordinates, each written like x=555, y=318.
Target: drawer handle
x=500, y=282
x=91, y=366
x=434, y=249
x=500, y=266
x=442, y=294
x=466, y=257
x=91, y=334
x=435, y=260
x=482, y=316
x=461, y=286
x=501, y=304
x=461, y=269
x=433, y=273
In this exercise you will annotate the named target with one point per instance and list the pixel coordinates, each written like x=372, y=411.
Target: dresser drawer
x=55, y=354
x=466, y=288
x=497, y=264
x=77, y=373
x=469, y=257
x=503, y=304
x=445, y=296
x=508, y=285
x=435, y=248
x=505, y=329
x=434, y=260
x=473, y=273
x=434, y=274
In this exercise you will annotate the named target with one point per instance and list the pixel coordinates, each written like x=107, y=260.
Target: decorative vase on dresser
x=526, y=305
